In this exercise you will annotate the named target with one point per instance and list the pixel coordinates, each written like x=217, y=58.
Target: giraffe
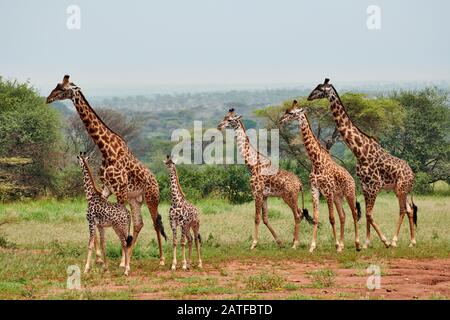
x=121, y=172
x=183, y=214
x=266, y=181
x=376, y=168
x=101, y=214
x=332, y=180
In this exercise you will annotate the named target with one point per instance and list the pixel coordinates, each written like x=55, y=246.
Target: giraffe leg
x=138, y=223
x=122, y=233
x=183, y=248
x=152, y=199
x=197, y=244
x=315, y=197
x=258, y=207
x=98, y=251
x=370, y=202
x=174, y=243
x=332, y=222
x=266, y=222
x=189, y=239
x=341, y=213
x=351, y=200
x=90, y=248
x=291, y=201
x=402, y=205
x=101, y=231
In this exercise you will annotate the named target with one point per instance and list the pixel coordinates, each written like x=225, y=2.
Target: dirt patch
x=400, y=279
x=329, y=279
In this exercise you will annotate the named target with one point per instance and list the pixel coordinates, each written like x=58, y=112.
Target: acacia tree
x=423, y=140
x=375, y=116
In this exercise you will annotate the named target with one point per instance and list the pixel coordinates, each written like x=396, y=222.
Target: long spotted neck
x=312, y=145
x=89, y=184
x=249, y=154
x=352, y=136
x=107, y=141
x=176, y=193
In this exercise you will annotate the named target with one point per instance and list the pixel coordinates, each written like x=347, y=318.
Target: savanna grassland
x=39, y=239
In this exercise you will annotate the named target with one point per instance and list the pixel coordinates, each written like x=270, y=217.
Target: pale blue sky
x=139, y=44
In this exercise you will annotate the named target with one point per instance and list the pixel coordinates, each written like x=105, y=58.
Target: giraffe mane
x=99, y=118
x=248, y=141
x=314, y=136
x=345, y=110
x=88, y=169
x=178, y=181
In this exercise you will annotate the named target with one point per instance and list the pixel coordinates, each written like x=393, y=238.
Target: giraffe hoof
x=185, y=267
x=200, y=265
x=358, y=246
x=253, y=245
x=122, y=265
x=311, y=249
x=387, y=244
x=394, y=244
x=412, y=244
x=173, y=267
x=162, y=262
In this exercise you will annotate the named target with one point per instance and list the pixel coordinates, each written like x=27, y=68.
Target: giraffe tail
x=415, y=209
x=358, y=210
x=160, y=226
x=305, y=212
x=199, y=237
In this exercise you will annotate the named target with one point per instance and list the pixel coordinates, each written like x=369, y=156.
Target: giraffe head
x=169, y=162
x=64, y=90
x=231, y=120
x=83, y=159
x=295, y=112
x=321, y=91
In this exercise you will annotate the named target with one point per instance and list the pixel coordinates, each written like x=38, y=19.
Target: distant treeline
x=38, y=142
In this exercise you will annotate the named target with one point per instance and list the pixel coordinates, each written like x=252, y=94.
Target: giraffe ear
x=294, y=103
x=326, y=81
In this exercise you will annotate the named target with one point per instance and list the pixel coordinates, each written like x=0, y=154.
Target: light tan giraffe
x=266, y=181
x=326, y=177
x=121, y=172
x=182, y=214
x=376, y=168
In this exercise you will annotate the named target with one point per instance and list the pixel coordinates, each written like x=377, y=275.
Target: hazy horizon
x=171, y=46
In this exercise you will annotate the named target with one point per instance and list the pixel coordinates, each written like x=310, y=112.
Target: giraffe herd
x=123, y=175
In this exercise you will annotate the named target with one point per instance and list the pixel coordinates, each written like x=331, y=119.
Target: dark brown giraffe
x=376, y=168
x=266, y=180
x=326, y=177
x=121, y=172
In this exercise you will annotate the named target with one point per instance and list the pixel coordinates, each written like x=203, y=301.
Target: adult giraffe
x=121, y=172
x=376, y=168
x=326, y=177
x=266, y=180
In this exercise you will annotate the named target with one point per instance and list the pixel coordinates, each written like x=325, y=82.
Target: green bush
x=422, y=183
x=68, y=183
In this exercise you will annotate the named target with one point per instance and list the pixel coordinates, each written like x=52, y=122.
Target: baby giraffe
x=185, y=215
x=102, y=214
x=333, y=181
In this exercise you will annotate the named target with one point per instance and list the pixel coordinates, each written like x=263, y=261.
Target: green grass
x=40, y=239
x=323, y=278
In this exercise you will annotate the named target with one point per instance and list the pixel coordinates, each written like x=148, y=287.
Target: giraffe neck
x=107, y=140
x=89, y=184
x=352, y=136
x=250, y=156
x=176, y=193
x=312, y=145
